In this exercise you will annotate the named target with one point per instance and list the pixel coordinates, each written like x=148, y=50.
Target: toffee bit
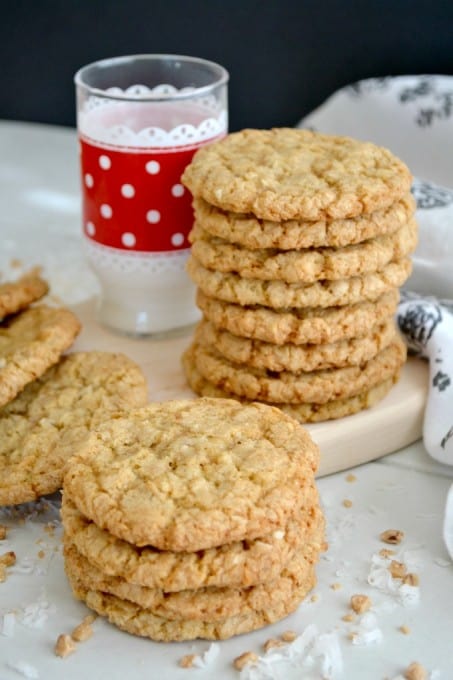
x=386, y=552
x=41, y=554
x=392, y=536
x=64, y=646
x=351, y=477
x=335, y=586
x=397, y=569
x=360, y=603
x=241, y=661
x=415, y=671
x=405, y=630
x=187, y=661
x=288, y=636
x=347, y=503
x=272, y=643
x=8, y=559
x=82, y=632
x=349, y=618
x=411, y=579
x=3, y=532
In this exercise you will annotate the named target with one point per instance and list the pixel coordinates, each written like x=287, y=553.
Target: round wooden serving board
x=392, y=424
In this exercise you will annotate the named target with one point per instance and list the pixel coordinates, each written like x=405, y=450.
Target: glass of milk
x=140, y=119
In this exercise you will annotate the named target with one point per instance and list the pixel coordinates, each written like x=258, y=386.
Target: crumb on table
x=392, y=536
x=360, y=603
x=415, y=671
x=64, y=645
x=241, y=661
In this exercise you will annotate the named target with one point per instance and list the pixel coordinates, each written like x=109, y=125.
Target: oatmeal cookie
x=250, y=232
x=304, y=413
x=41, y=427
x=239, y=564
x=279, y=294
x=30, y=343
x=298, y=325
x=190, y=475
x=17, y=295
x=294, y=358
x=304, y=266
x=286, y=173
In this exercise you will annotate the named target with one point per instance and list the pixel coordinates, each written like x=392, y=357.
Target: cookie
x=204, y=604
x=298, y=325
x=41, y=427
x=250, y=232
x=304, y=266
x=278, y=294
x=304, y=413
x=240, y=564
x=30, y=343
x=289, y=357
x=286, y=173
x=293, y=388
x=134, y=619
x=17, y=295
x=190, y=475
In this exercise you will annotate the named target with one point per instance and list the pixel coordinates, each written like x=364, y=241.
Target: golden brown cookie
x=240, y=564
x=304, y=266
x=278, y=294
x=250, y=232
x=294, y=388
x=134, y=619
x=17, y=295
x=31, y=342
x=286, y=173
x=298, y=325
x=192, y=474
x=42, y=426
x=205, y=604
x=294, y=358
x=304, y=413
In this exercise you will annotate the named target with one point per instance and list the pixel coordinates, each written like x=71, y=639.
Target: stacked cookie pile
x=193, y=519
x=48, y=400
x=300, y=243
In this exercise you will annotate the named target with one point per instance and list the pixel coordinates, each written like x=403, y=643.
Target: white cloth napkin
x=413, y=116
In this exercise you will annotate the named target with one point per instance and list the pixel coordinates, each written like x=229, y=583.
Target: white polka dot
x=89, y=181
x=106, y=211
x=128, y=190
x=128, y=239
x=177, y=239
x=153, y=216
x=91, y=229
x=177, y=190
x=153, y=167
x=105, y=162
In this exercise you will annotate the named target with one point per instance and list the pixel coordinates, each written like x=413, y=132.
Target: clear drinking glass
x=140, y=119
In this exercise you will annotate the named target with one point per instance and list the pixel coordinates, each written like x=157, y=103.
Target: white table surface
x=40, y=224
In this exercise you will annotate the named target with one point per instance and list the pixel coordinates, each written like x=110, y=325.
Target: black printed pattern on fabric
x=363, y=87
x=430, y=195
x=437, y=105
x=447, y=437
x=418, y=323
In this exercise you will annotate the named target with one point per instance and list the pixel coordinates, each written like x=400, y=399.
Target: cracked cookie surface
x=191, y=475
x=286, y=173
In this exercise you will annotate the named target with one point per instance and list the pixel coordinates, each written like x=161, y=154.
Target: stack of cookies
x=193, y=519
x=49, y=401
x=300, y=243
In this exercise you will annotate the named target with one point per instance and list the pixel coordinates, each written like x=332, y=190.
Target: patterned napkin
x=413, y=116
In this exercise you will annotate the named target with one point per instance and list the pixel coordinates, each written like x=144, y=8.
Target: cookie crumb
x=360, y=603
x=241, y=661
x=2, y=573
x=64, y=645
x=84, y=630
x=405, y=630
x=187, y=661
x=351, y=477
x=288, y=636
x=347, y=503
x=335, y=586
x=272, y=643
x=3, y=532
x=41, y=554
x=348, y=617
x=411, y=579
x=397, y=569
x=314, y=598
x=8, y=559
x=14, y=263
x=415, y=671
x=392, y=536
x=386, y=552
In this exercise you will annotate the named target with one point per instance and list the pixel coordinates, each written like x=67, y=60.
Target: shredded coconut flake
x=208, y=657
x=35, y=614
x=367, y=632
x=8, y=624
x=25, y=669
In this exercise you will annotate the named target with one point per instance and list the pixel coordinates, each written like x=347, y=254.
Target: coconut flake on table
x=208, y=657
x=24, y=668
x=367, y=632
x=311, y=652
x=35, y=614
x=8, y=624
x=380, y=577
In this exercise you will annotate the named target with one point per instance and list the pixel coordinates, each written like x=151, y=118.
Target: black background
x=284, y=58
